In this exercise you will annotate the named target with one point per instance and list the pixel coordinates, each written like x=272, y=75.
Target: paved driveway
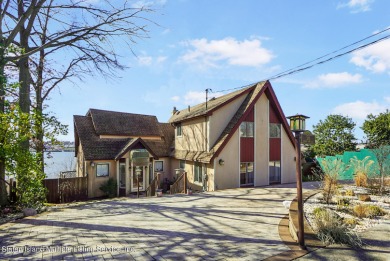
x=231, y=224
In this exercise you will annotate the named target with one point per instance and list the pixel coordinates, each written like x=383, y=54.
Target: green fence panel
x=346, y=158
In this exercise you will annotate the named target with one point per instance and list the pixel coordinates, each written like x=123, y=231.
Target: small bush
x=109, y=188
x=360, y=179
x=318, y=212
x=343, y=202
x=350, y=193
x=350, y=222
x=373, y=211
x=360, y=211
x=331, y=230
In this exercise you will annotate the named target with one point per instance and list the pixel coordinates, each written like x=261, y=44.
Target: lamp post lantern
x=138, y=174
x=298, y=125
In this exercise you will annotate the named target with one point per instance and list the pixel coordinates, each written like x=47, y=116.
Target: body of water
x=59, y=161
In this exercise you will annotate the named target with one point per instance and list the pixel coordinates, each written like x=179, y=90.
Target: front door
x=246, y=174
x=141, y=181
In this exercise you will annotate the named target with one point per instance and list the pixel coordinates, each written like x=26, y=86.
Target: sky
x=226, y=44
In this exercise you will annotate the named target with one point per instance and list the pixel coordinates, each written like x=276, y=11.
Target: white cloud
x=166, y=31
x=146, y=60
x=387, y=99
x=359, y=109
x=357, y=6
x=194, y=97
x=175, y=98
x=229, y=50
x=145, y=3
x=334, y=80
x=375, y=58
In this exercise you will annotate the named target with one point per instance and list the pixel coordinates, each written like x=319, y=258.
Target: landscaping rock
x=29, y=212
x=364, y=197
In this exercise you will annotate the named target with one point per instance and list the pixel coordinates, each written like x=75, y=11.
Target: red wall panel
x=251, y=116
x=247, y=150
x=273, y=118
x=274, y=149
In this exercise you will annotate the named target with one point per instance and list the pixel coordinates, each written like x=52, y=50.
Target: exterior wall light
x=92, y=164
x=221, y=162
x=298, y=125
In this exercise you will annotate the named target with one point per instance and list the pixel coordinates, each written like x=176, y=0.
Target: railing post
x=185, y=182
x=158, y=179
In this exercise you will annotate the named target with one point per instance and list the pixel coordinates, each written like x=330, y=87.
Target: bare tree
x=89, y=32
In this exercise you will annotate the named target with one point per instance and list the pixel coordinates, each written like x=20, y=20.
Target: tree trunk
x=3, y=192
x=24, y=77
x=38, y=121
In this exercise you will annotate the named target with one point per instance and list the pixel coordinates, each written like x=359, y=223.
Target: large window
x=198, y=172
x=246, y=173
x=246, y=129
x=159, y=166
x=178, y=130
x=102, y=169
x=182, y=164
x=274, y=130
x=274, y=172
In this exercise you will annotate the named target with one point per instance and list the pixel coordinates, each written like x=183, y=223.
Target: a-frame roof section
x=213, y=104
x=246, y=106
x=133, y=144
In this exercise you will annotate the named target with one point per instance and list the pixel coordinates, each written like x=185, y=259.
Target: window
x=246, y=173
x=158, y=166
x=198, y=172
x=274, y=130
x=274, y=172
x=182, y=164
x=246, y=129
x=102, y=169
x=122, y=175
x=178, y=129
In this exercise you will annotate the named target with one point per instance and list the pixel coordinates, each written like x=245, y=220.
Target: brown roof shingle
x=124, y=124
x=95, y=148
x=213, y=104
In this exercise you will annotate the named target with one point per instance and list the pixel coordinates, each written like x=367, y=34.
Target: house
x=241, y=139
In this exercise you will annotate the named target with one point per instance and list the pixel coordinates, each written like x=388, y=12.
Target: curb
x=288, y=226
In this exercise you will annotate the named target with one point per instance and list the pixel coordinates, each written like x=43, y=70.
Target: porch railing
x=180, y=186
x=151, y=190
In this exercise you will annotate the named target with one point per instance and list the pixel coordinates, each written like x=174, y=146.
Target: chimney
x=174, y=110
x=189, y=108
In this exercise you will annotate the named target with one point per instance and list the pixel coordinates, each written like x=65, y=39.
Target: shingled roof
x=212, y=105
x=124, y=124
x=89, y=128
x=95, y=148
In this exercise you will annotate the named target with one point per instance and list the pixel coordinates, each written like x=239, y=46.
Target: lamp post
x=138, y=174
x=297, y=125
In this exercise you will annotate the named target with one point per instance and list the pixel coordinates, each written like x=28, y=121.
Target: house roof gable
x=124, y=124
x=213, y=104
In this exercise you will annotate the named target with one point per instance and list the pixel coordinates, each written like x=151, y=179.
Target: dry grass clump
x=369, y=211
x=360, y=179
x=350, y=193
x=332, y=230
x=351, y=222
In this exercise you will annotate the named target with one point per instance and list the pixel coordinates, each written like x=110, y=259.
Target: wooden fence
x=65, y=190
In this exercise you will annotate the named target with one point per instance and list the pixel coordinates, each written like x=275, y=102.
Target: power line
x=330, y=59
x=299, y=68
x=323, y=56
